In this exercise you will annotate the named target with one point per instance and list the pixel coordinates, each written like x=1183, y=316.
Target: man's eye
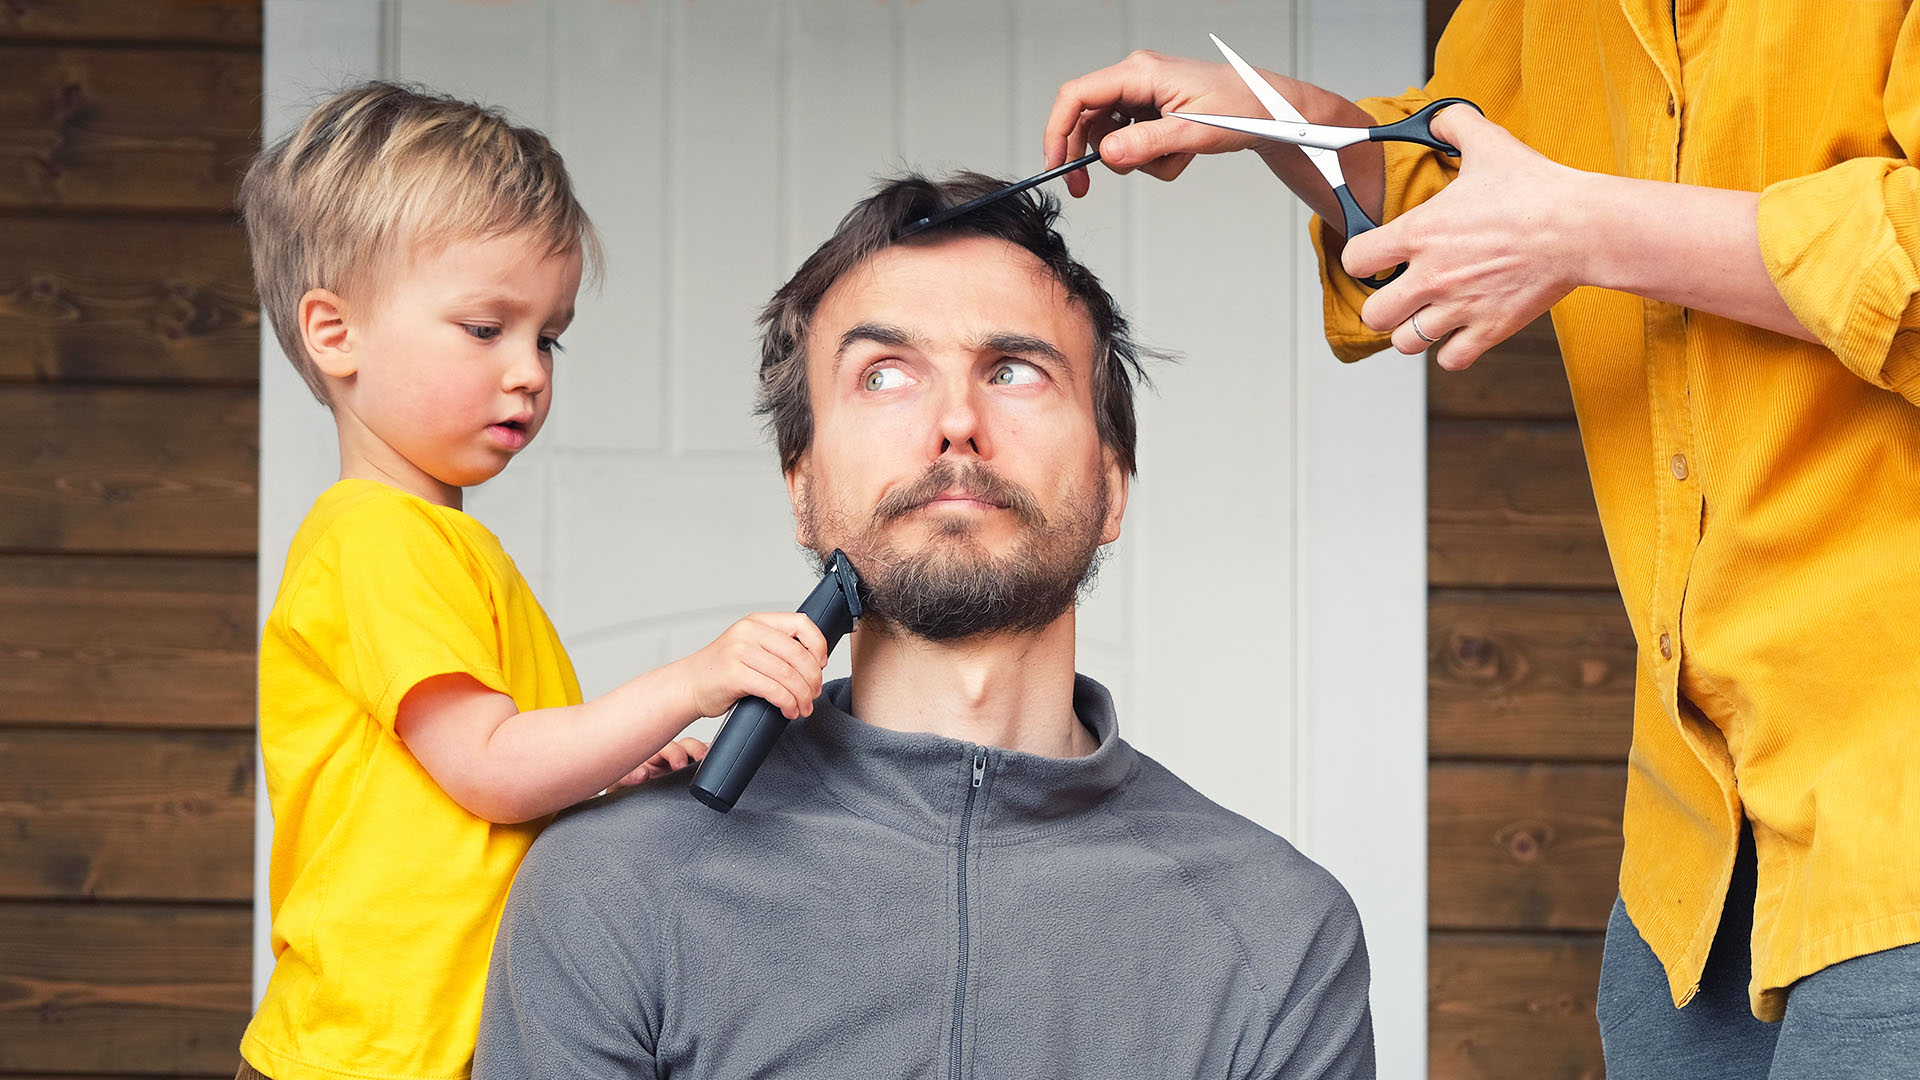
x=484, y=333
x=1014, y=373
x=886, y=378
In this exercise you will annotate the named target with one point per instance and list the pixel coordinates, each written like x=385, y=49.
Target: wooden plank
x=126, y=128
x=1510, y=504
x=92, y=299
x=204, y=22
x=1522, y=378
x=1529, y=675
x=123, y=989
x=159, y=815
x=1513, y=1007
x=163, y=643
x=119, y=1076
x=113, y=469
x=1523, y=847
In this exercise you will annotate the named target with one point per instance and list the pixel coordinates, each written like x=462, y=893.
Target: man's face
x=955, y=456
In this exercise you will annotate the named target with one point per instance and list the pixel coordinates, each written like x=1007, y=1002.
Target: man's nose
x=962, y=423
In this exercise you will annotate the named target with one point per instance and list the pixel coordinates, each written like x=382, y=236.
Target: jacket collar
x=921, y=783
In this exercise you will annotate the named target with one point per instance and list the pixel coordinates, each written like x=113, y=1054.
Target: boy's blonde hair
x=380, y=170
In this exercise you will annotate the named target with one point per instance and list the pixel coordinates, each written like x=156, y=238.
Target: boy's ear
x=323, y=328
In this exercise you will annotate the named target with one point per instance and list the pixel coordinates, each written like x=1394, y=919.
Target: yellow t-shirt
x=1760, y=495
x=385, y=892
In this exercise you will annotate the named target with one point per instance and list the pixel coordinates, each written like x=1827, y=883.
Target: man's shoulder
x=635, y=836
x=1251, y=875
x=1296, y=928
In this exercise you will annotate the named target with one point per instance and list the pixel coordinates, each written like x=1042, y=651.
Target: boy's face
x=446, y=368
x=954, y=435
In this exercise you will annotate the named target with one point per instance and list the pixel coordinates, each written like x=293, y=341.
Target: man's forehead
x=974, y=291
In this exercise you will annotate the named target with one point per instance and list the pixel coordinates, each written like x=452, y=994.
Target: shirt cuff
x=1840, y=246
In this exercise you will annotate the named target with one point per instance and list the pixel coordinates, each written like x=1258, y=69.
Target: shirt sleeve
x=1477, y=59
x=1843, y=245
x=1323, y=1028
x=565, y=985
x=390, y=599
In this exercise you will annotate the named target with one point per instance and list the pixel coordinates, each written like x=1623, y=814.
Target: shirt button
x=1679, y=466
x=1666, y=647
x=1669, y=105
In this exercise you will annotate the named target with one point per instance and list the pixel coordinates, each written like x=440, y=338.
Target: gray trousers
x=1856, y=1020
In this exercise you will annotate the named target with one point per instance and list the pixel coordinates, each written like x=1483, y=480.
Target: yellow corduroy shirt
x=1760, y=495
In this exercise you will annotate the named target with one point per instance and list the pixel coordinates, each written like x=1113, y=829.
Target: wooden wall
x=1530, y=704
x=1530, y=711
x=128, y=432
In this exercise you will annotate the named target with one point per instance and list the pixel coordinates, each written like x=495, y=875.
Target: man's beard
x=953, y=589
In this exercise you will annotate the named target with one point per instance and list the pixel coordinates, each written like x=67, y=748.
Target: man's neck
x=1013, y=691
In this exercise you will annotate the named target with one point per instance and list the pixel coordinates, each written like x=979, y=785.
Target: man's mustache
x=973, y=481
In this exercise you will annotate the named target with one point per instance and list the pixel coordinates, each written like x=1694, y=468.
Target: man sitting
x=955, y=866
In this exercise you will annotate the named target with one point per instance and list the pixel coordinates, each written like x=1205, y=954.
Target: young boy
x=418, y=256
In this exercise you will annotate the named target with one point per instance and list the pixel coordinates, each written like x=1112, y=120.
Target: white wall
x=1261, y=623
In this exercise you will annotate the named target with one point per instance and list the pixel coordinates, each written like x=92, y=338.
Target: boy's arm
x=506, y=766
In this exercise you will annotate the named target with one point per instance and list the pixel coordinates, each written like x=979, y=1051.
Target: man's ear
x=796, y=478
x=323, y=329
x=1117, y=487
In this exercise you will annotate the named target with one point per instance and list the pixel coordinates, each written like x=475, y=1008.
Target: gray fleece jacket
x=882, y=904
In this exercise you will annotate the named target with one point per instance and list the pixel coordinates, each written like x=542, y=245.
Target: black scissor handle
x=1358, y=222
x=1418, y=128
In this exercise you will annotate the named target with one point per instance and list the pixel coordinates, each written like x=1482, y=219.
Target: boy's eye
x=548, y=345
x=886, y=378
x=483, y=332
x=1014, y=373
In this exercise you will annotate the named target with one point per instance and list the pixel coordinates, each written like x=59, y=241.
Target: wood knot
x=183, y=310
x=68, y=101
x=1475, y=655
x=1525, y=842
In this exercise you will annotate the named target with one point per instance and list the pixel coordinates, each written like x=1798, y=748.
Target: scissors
x=1322, y=142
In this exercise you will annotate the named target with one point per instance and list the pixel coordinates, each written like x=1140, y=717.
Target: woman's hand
x=1486, y=256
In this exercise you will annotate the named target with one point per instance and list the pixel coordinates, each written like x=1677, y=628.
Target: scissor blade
x=1324, y=159
x=1276, y=130
x=1306, y=136
x=1276, y=104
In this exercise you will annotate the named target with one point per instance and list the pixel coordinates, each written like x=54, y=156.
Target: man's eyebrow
x=1013, y=344
x=878, y=333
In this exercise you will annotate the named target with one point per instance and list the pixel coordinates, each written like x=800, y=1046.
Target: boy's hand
x=776, y=656
x=672, y=757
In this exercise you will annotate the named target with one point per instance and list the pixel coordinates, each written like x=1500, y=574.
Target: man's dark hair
x=1025, y=220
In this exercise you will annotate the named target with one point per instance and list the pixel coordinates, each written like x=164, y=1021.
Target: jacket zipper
x=960, y=968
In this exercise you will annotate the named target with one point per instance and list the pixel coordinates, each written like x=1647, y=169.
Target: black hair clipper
x=747, y=735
